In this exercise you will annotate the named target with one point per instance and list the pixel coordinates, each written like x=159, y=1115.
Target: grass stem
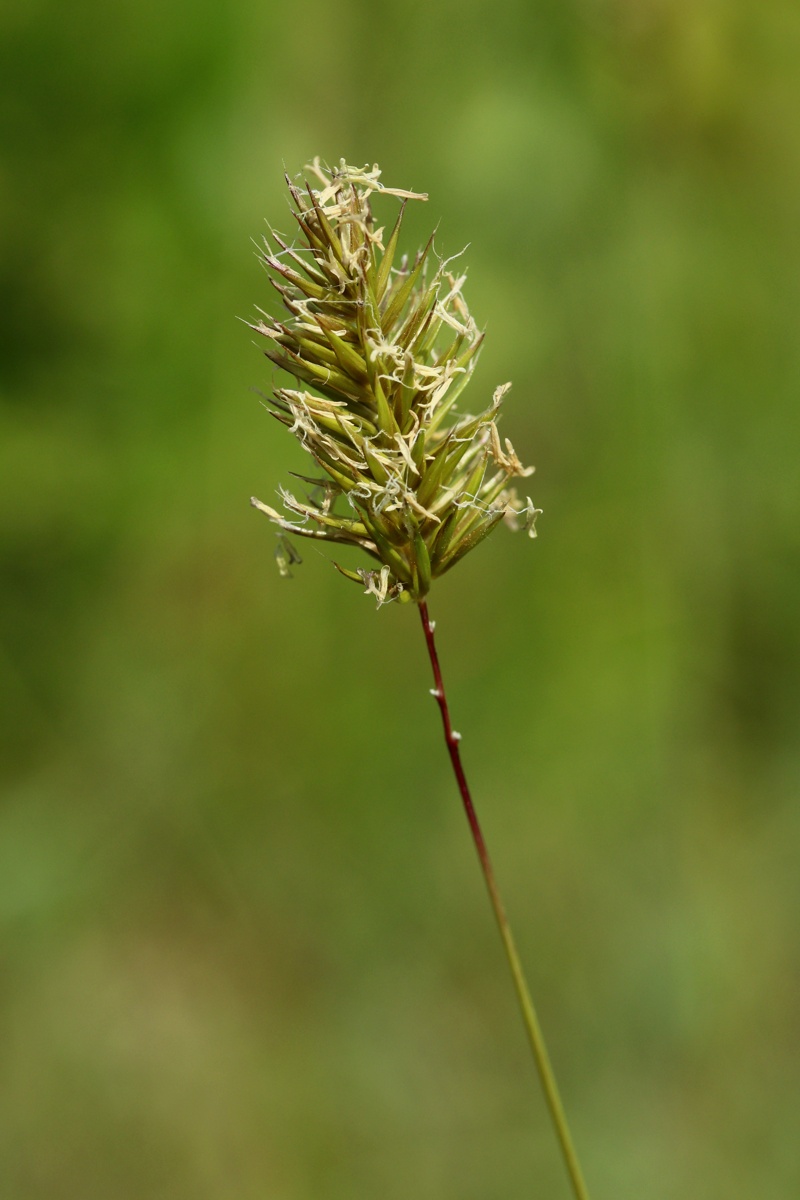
x=529, y=1017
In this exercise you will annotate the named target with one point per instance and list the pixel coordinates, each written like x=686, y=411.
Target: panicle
x=381, y=348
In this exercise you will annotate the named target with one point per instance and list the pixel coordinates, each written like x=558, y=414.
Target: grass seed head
x=380, y=348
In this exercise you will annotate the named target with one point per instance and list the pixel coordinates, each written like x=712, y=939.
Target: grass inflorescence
x=381, y=348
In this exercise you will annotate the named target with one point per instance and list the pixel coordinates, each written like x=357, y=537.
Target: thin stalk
x=531, y=1021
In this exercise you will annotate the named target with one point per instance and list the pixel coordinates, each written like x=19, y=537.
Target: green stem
x=532, y=1026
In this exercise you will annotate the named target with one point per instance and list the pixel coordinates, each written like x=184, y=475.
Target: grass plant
x=381, y=348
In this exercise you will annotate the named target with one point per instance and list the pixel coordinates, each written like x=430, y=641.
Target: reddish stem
x=532, y=1026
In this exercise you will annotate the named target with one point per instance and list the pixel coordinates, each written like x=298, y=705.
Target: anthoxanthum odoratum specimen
x=381, y=349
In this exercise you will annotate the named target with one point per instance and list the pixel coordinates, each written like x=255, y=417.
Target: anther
x=437, y=695
x=456, y=736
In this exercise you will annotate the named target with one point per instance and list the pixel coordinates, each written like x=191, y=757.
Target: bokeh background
x=247, y=953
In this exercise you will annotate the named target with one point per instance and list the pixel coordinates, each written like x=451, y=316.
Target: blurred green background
x=247, y=954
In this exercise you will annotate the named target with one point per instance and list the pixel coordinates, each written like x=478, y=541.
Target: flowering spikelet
x=381, y=349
